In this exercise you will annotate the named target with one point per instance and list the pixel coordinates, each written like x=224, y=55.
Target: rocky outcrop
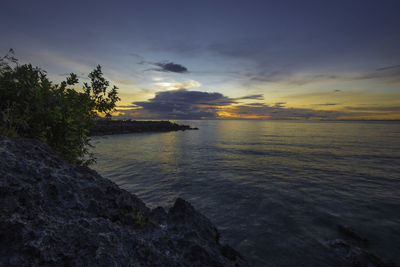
x=356, y=256
x=353, y=250
x=106, y=127
x=54, y=213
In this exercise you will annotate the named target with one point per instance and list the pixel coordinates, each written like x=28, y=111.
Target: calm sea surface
x=276, y=189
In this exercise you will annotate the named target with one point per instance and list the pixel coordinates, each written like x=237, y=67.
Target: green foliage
x=32, y=106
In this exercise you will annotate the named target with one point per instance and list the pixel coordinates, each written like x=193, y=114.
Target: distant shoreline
x=295, y=120
x=110, y=127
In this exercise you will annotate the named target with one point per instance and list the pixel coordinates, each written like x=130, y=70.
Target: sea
x=276, y=190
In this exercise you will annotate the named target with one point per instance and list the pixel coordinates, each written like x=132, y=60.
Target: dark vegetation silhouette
x=33, y=106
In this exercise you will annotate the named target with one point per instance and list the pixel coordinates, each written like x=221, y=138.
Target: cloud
x=255, y=97
x=184, y=104
x=255, y=104
x=390, y=74
x=326, y=104
x=170, y=67
x=389, y=68
x=137, y=57
x=125, y=106
x=279, y=104
x=163, y=66
x=279, y=112
x=294, y=60
x=290, y=78
x=375, y=108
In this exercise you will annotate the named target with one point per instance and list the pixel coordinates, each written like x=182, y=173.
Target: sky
x=283, y=59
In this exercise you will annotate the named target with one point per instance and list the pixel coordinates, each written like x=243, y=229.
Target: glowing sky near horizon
x=221, y=59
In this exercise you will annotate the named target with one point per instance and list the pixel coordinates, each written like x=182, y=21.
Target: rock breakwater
x=107, y=127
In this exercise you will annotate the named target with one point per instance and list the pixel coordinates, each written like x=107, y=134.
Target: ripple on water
x=276, y=189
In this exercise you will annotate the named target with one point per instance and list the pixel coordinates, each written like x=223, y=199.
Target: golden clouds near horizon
x=334, y=105
x=332, y=100
x=232, y=113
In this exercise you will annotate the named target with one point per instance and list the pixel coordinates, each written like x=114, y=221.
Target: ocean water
x=275, y=189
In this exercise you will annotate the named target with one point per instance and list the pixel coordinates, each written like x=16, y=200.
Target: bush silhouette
x=58, y=114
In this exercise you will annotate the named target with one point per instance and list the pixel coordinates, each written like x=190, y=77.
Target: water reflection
x=273, y=188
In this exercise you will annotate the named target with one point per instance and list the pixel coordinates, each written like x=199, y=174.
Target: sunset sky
x=309, y=59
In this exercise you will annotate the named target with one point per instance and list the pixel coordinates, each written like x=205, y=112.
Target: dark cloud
x=290, y=78
x=326, y=104
x=125, y=106
x=273, y=57
x=255, y=104
x=164, y=66
x=390, y=74
x=374, y=108
x=279, y=104
x=138, y=57
x=389, y=68
x=184, y=104
x=255, y=97
x=170, y=67
x=278, y=112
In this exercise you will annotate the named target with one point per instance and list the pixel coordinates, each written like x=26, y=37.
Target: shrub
x=32, y=106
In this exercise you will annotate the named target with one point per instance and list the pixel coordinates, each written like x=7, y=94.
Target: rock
x=53, y=213
x=356, y=256
x=348, y=232
x=230, y=253
x=106, y=127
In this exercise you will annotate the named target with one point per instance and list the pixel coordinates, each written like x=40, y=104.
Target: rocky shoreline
x=57, y=214
x=108, y=127
x=53, y=213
